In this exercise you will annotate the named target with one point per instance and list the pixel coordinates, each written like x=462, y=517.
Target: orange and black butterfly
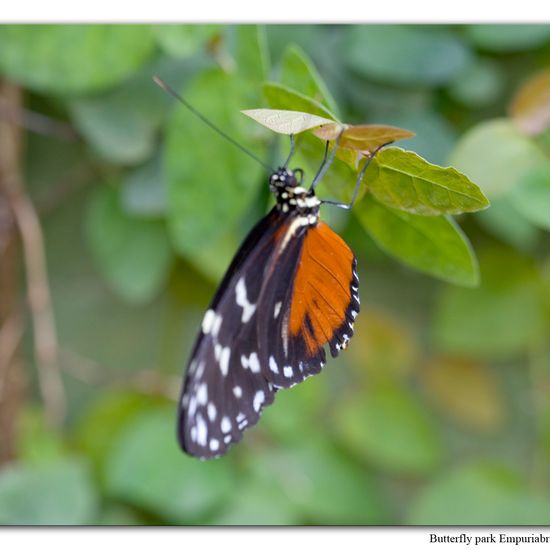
x=291, y=290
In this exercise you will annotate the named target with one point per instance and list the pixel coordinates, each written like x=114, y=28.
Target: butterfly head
x=291, y=197
x=283, y=178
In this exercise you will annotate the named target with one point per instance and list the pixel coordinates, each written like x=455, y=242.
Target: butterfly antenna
x=167, y=88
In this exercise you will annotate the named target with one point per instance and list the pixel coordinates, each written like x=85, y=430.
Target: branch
x=32, y=241
x=147, y=381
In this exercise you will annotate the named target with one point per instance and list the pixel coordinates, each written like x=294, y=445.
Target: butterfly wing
x=291, y=289
x=224, y=389
x=313, y=304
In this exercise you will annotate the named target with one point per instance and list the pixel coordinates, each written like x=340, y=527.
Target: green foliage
x=410, y=443
x=71, y=59
x=483, y=493
x=59, y=493
x=146, y=468
x=531, y=196
x=504, y=317
x=133, y=253
x=496, y=155
x=404, y=54
x=402, y=179
x=299, y=73
x=143, y=212
x=435, y=245
x=508, y=38
x=279, y=96
x=185, y=40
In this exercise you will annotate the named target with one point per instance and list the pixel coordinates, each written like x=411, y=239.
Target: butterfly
x=291, y=290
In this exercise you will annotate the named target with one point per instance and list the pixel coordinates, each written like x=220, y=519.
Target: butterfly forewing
x=224, y=388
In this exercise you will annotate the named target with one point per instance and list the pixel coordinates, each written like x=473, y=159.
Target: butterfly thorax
x=292, y=199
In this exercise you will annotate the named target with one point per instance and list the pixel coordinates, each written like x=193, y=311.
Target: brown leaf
x=530, y=108
x=465, y=390
x=364, y=138
x=383, y=347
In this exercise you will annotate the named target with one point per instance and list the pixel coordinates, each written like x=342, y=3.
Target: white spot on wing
x=214, y=444
x=258, y=400
x=242, y=300
x=252, y=362
x=225, y=425
x=202, y=394
x=276, y=310
x=202, y=430
x=224, y=360
x=212, y=412
x=288, y=371
x=216, y=325
x=273, y=365
x=208, y=321
x=237, y=391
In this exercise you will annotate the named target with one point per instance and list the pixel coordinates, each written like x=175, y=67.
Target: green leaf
x=531, y=197
x=326, y=487
x=392, y=430
x=500, y=319
x=99, y=427
x=406, y=54
x=286, y=122
x=481, y=493
x=402, y=179
x=283, y=97
x=146, y=468
x=434, y=245
x=258, y=503
x=434, y=136
x=71, y=59
x=144, y=192
x=505, y=222
x=496, y=155
x=133, y=254
x=508, y=38
x=58, y=493
x=184, y=40
x=479, y=85
x=210, y=183
x=122, y=124
x=37, y=441
x=252, y=55
x=299, y=73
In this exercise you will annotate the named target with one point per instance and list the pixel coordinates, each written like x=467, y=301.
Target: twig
x=147, y=381
x=10, y=337
x=36, y=122
x=28, y=224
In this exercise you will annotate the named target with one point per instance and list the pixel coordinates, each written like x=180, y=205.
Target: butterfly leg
x=327, y=161
x=347, y=206
x=292, y=149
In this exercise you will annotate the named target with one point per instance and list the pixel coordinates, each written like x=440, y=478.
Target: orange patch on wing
x=321, y=287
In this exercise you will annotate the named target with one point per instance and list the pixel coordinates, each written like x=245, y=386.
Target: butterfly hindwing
x=313, y=303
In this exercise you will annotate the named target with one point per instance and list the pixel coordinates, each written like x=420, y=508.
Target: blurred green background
x=437, y=414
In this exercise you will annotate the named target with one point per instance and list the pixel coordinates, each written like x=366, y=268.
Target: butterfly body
x=291, y=289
